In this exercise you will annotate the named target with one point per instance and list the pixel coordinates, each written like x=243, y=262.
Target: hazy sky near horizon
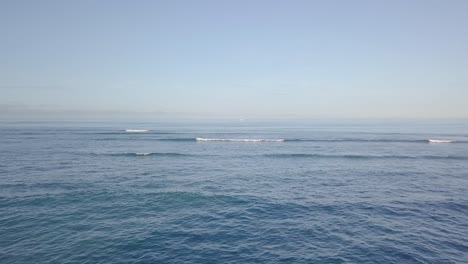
x=240, y=59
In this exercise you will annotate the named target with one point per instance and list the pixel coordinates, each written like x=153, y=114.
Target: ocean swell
x=363, y=157
x=144, y=154
x=241, y=139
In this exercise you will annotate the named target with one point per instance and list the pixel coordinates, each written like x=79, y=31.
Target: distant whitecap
x=440, y=141
x=136, y=130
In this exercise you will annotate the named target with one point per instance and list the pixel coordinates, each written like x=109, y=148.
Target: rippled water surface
x=234, y=192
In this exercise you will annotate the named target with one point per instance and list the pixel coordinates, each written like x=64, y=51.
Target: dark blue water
x=245, y=192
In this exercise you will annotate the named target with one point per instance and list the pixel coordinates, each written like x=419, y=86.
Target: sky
x=234, y=59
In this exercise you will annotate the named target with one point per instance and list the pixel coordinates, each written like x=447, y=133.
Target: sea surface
x=234, y=192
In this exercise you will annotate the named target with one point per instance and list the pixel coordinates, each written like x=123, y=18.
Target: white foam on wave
x=241, y=139
x=143, y=154
x=440, y=141
x=136, y=130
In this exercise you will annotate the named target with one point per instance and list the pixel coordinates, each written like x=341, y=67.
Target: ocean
x=234, y=192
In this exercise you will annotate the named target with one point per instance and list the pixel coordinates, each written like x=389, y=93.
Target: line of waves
x=176, y=139
x=149, y=132
x=325, y=140
x=294, y=156
x=241, y=139
x=201, y=139
x=379, y=140
x=363, y=157
x=144, y=154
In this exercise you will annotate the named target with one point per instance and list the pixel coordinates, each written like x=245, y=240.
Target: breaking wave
x=136, y=130
x=441, y=141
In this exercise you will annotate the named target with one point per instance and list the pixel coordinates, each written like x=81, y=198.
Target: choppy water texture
x=238, y=192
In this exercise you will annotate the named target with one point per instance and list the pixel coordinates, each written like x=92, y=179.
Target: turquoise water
x=243, y=192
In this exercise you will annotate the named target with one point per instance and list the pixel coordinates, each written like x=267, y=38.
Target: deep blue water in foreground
x=308, y=193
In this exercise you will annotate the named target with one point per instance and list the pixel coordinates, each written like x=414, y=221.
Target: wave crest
x=136, y=130
x=362, y=156
x=440, y=141
x=143, y=154
x=241, y=139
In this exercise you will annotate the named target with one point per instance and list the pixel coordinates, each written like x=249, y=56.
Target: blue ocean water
x=234, y=192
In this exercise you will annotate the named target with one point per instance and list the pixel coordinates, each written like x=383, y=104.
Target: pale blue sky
x=237, y=59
